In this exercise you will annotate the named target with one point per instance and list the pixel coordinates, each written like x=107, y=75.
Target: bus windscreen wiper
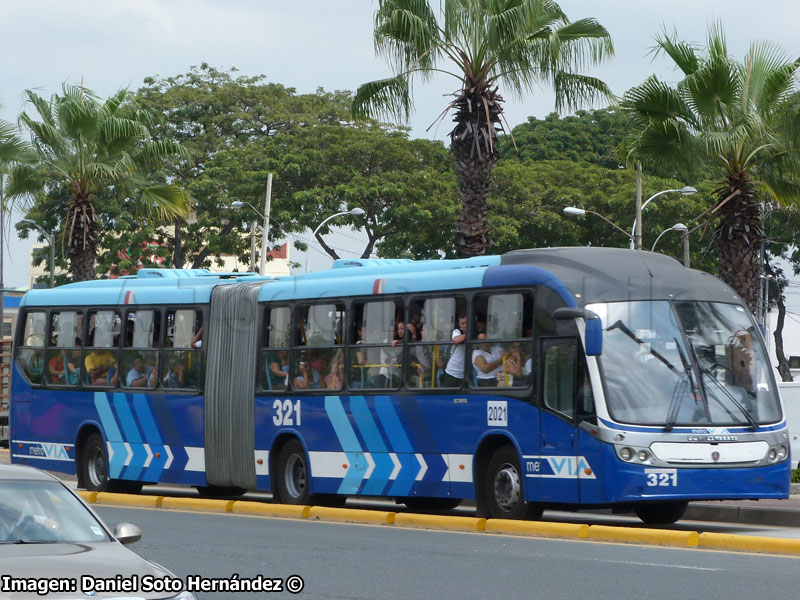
x=732, y=398
x=675, y=402
x=626, y=330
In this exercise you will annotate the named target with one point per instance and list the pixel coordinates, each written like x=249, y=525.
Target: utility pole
x=686, y=248
x=637, y=234
x=262, y=270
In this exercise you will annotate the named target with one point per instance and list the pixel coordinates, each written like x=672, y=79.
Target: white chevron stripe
x=197, y=459
x=455, y=472
x=328, y=464
x=149, y=456
x=169, y=459
x=423, y=467
x=371, y=464
x=110, y=451
x=397, y=466
x=130, y=454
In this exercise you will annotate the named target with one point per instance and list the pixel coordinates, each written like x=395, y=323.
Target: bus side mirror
x=594, y=327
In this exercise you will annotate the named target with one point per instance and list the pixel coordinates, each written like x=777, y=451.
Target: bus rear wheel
x=503, y=488
x=291, y=483
x=660, y=513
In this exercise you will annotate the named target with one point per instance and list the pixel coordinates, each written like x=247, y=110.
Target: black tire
x=291, y=477
x=503, y=488
x=94, y=464
x=660, y=513
x=93, y=470
x=219, y=491
x=429, y=504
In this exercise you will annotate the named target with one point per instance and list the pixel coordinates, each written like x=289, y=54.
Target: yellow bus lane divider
x=198, y=504
x=440, y=522
x=538, y=528
x=603, y=533
x=352, y=515
x=658, y=537
x=750, y=543
x=291, y=511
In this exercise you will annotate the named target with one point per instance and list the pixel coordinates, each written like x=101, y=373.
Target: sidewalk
x=783, y=513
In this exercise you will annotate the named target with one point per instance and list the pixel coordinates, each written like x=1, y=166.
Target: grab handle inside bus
x=594, y=327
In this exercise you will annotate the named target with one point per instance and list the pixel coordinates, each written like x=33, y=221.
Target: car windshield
x=41, y=512
x=653, y=377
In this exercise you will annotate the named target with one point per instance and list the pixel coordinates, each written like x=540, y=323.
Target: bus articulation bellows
x=564, y=377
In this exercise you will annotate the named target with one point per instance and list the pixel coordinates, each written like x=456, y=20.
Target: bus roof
x=580, y=275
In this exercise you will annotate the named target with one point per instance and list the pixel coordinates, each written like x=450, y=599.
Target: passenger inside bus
x=278, y=370
x=101, y=367
x=487, y=362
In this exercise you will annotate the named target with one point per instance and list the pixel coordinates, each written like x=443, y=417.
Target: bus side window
x=376, y=356
x=434, y=321
x=501, y=351
x=140, y=349
x=559, y=368
x=319, y=363
x=182, y=356
x=64, y=351
x=101, y=368
x=31, y=354
x=274, y=363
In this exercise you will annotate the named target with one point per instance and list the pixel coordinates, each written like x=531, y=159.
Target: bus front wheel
x=94, y=469
x=291, y=484
x=660, y=513
x=503, y=486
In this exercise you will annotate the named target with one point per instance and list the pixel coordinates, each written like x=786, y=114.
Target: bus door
x=558, y=436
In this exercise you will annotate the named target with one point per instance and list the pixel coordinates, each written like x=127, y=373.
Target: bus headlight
x=777, y=453
x=643, y=456
x=772, y=455
x=781, y=452
x=626, y=453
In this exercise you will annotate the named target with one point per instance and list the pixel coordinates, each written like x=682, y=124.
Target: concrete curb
x=605, y=533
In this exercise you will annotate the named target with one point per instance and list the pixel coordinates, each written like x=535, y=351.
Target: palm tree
x=482, y=44
x=89, y=146
x=738, y=114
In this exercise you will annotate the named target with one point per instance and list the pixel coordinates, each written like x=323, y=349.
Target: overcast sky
x=307, y=44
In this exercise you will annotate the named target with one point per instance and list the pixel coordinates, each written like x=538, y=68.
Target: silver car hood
x=70, y=561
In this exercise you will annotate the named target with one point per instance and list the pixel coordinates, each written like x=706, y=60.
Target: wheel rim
x=295, y=476
x=97, y=467
x=507, y=489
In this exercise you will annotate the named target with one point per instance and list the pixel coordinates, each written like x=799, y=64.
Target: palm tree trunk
x=82, y=240
x=473, y=142
x=739, y=236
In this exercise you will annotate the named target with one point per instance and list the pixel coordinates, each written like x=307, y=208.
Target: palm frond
x=655, y=101
x=116, y=131
x=388, y=98
x=407, y=32
x=712, y=88
x=111, y=106
x=77, y=118
x=768, y=76
x=158, y=150
x=24, y=180
x=683, y=54
x=664, y=144
x=574, y=90
x=164, y=202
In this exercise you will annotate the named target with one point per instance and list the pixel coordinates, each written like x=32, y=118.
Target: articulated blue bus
x=565, y=377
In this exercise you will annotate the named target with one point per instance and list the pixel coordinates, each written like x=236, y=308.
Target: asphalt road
x=360, y=562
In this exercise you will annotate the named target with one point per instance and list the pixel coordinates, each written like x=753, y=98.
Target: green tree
x=88, y=146
x=212, y=112
x=482, y=44
x=529, y=200
x=587, y=136
x=404, y=186
x=737, y=112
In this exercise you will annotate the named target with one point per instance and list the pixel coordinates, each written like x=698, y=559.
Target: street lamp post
x=636, y=244
x=574, y=211
x=353, y=212
x=262, y=267
x=50, y=242
x=684, y=234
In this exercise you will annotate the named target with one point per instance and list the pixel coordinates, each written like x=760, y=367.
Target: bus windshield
x=685, y=363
